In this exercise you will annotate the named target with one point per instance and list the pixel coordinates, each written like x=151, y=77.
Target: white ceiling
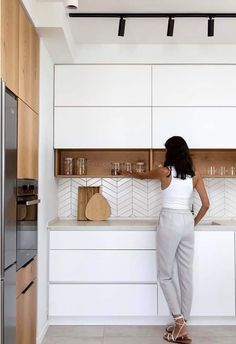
x=152, y=31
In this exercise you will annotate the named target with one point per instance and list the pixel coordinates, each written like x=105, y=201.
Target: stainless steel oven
x=27, y=221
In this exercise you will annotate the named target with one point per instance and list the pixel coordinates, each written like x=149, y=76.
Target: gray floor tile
x=66, y=340
x=132, y=331
x=133, y=340
x=75, y=331
x=213, y=331
x=213, y=340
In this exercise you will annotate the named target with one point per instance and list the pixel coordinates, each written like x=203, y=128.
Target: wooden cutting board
x=84, y=195
x=97, y=209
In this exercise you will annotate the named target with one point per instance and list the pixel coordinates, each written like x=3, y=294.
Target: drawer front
x=102, y=266
x=103, y=240
x=25, y=275
x=102, y=300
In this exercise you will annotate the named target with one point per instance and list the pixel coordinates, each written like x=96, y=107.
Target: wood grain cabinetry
x=27, y=153
x=99, y=160
x=28, y=61
x=26, y=304
x=10, y=43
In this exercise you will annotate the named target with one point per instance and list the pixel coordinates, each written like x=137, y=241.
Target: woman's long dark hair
x=178, y=155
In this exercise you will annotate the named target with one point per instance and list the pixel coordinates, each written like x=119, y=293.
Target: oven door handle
x=34, y=201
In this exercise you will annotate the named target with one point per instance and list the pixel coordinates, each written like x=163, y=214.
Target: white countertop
x=132, y=224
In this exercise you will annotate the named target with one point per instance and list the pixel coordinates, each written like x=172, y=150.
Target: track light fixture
x=171, y=16
x=121, y=30
x=210, y=27
x=170, y=27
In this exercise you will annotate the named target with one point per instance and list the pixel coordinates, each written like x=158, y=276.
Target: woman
x=175, y=234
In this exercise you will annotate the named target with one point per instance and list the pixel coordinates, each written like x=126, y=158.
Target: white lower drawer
x=102, y=266
x=102, y=300
x=103, y=239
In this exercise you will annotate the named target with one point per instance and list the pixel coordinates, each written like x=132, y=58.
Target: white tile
x=64, y=197
x=230, y=197
x=94, y=182
x=124, y=197
x=109, y=191
x=154, y=197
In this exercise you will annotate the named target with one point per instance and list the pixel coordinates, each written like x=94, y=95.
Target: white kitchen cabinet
x=214, y=276
x=194, y=85
x=102, y=266
x=103, y=239
x=201, y=127
x=103, y=85
x=102, y=127
x=90, y=300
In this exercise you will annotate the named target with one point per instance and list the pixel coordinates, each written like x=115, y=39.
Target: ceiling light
x=121, y=31
x=210, y=27
x=170, y=27
x=72, y=4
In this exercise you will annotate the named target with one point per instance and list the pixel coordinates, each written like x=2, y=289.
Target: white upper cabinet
x=201, y=127
x=194, y=85
x=102, y=127
x=102, y=85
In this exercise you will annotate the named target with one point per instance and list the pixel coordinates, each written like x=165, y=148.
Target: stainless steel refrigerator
x=8, y=141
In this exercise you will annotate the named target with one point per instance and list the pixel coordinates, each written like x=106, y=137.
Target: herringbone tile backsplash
x=142, y=198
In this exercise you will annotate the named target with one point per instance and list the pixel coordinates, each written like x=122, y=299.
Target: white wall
x=156, y=53
x=47, y=182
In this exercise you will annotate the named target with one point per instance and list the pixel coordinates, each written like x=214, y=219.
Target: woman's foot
x=179, y=332
x=170, y=327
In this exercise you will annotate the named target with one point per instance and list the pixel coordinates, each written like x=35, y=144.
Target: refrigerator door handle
x=35, y=201
x=2, y=177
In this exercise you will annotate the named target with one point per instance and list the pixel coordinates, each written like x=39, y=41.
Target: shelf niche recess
x=99, y=160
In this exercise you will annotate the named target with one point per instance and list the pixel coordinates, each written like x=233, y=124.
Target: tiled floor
x=134, y=335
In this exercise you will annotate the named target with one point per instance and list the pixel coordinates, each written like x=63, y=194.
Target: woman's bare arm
x=156, y=173
x=200, y=187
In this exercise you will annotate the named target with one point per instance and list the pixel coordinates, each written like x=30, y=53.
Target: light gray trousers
x=175, y=245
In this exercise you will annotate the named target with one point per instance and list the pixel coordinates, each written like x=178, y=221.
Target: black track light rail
x=152, y=15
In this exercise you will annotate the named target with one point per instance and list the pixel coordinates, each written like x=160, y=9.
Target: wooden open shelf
x=99, y=160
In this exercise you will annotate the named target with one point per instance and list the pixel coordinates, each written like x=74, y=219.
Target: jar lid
x=68, y=159
x=140, y=163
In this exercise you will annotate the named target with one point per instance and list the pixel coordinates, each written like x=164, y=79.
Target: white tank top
x=179, y=194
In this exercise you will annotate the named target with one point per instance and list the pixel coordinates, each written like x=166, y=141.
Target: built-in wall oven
x=27, y=221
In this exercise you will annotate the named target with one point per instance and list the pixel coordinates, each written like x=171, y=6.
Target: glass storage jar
x=80, y=166
x=140, y=166
x=68, y=166
x=115, y=168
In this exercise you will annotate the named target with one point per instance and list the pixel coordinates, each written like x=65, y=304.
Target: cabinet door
x=28, y=61
x=200, y=127
x=35, y=71
x=214, y=276
x=10, y=43
x=91, y=300
x=26, y=315
x=27, y=151
x=133, y=239
x=102, y=127
x=194, y=85
x=102, y=266
x=103, y=85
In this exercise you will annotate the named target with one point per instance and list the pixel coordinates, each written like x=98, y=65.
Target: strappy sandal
x=170, y=327
x=178, y=338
